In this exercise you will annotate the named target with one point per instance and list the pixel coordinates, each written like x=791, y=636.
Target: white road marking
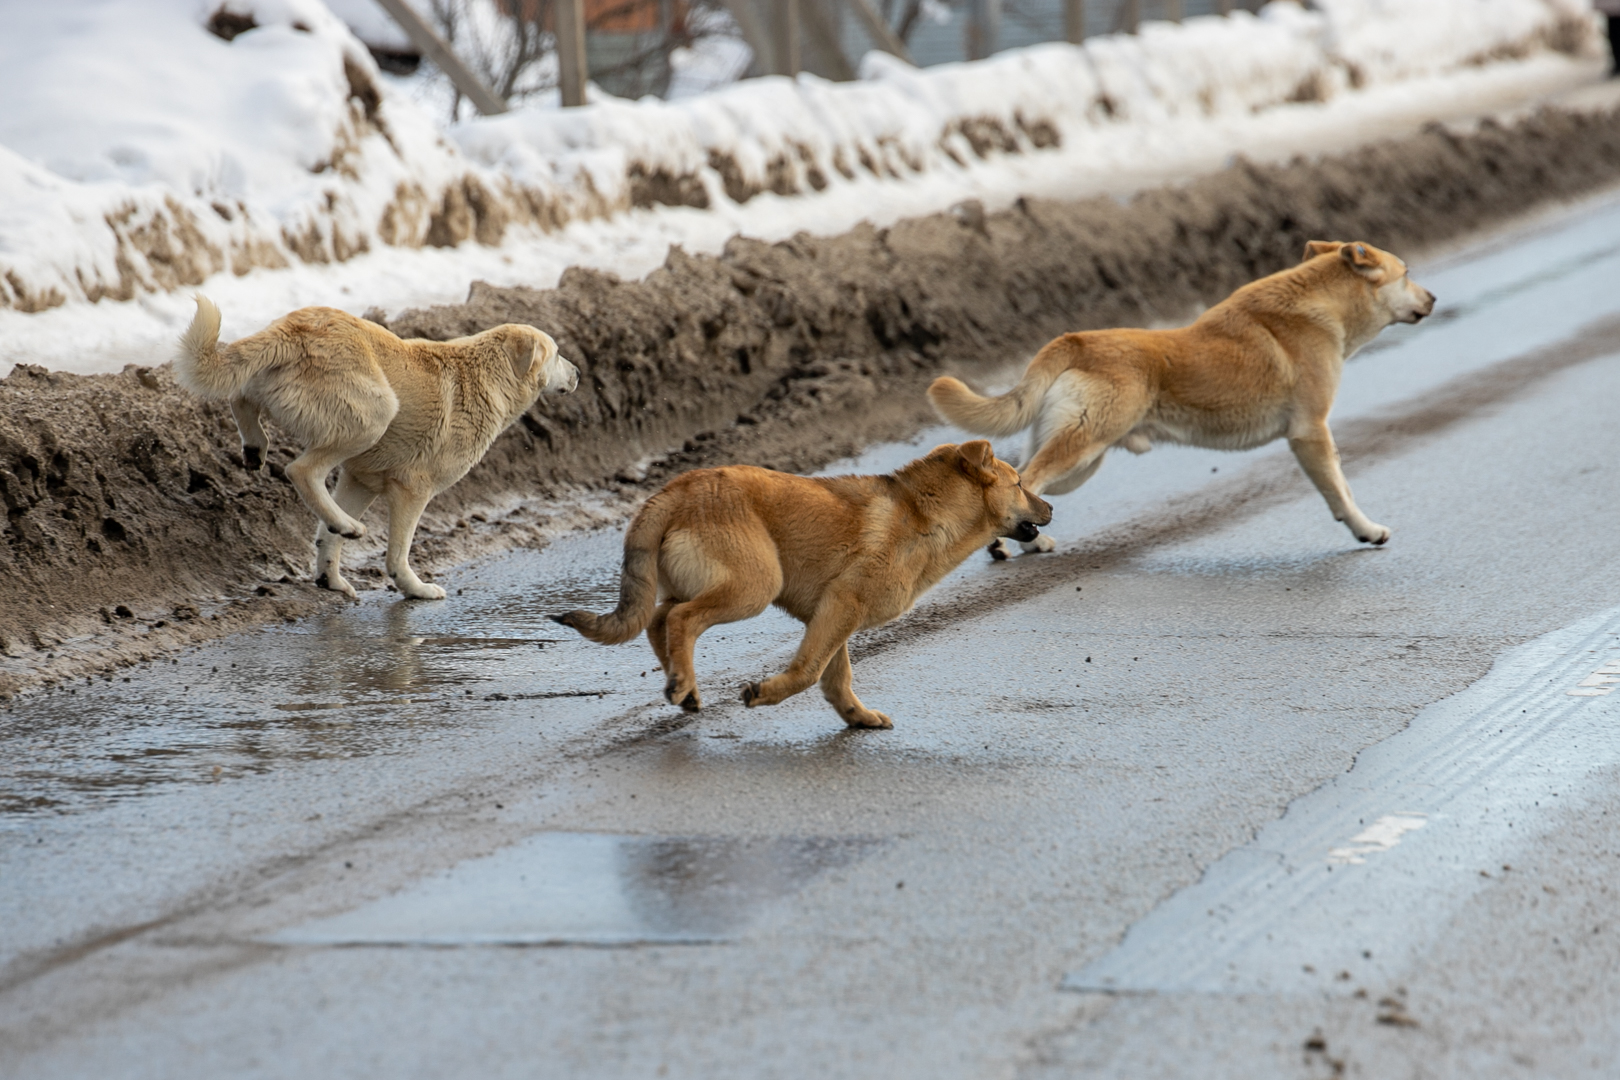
x=1381, y=835
x=1478, y=772
x=1598, y=683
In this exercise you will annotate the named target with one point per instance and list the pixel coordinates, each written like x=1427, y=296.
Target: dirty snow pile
x=160, y=144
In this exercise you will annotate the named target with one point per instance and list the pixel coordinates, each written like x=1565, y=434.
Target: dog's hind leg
x=1001, y=548
x=835, y=687
x=254, y=440
x=308, y=472
x=405, y=506
x=728, y=601
x=835, y=619
x=656, y=635
x=353, y=497
x=1067, y=460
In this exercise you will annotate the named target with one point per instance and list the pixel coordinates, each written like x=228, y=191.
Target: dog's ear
x=1359, y=258
x=545, y=348
x=1313, y=248
x=522, y=345
x=978, y=461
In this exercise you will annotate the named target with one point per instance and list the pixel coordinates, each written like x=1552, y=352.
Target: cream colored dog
x=1262, y=364
x=404, y=419
x=838, y=553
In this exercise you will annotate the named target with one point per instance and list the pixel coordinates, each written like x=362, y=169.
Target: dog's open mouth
x=1025, y=533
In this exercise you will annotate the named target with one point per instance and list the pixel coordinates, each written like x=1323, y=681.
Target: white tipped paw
x=336, y=582
x=1040, y=545
x=419, y=590
x=1372, y=534
x=349, y=529
x=1000, y=549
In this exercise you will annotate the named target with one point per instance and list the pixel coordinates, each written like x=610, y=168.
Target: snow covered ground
x=278, y=169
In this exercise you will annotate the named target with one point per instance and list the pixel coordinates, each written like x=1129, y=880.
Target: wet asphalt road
x=1212, y=791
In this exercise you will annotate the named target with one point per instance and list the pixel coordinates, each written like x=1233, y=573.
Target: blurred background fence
x=672, y=48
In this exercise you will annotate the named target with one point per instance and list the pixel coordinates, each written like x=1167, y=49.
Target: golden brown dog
x=1262, y=364
x=405, y=419
x=840, y=554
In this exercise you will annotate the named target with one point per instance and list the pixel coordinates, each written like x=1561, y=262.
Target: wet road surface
x=1211, y=791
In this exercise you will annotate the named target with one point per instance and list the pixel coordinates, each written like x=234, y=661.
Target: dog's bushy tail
x=1010, y=412
x=200, y=365
x=638, y=582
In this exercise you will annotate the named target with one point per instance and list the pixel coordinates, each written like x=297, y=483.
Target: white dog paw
x=1040, y=545
x=1373, y=534
x=352, y=531
x=1000, y=549
x=421, y=590
x=335, y=581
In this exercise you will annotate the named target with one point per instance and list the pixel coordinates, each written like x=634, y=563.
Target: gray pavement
x=1135, y=788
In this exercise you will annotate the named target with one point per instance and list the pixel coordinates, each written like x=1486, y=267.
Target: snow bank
x=1385, y=40
x=153, y=153
x=150, y=152
x=784, y=135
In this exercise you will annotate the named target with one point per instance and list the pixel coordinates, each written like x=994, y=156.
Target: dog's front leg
x=1320, y=459
x=405, y=505
x=829, y=629
x=835, y=686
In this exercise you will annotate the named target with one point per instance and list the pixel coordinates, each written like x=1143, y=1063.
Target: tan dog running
x=840, y=554
x=1262, y=364
x=405, y=419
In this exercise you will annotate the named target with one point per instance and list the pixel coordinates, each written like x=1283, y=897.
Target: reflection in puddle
x=313, y=706
x=591, y=889
x=484, y=642
x=381, y=676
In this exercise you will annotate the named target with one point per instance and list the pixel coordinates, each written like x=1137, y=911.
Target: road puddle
x=479, y=643
x=376, y=677
x=317, y=706
x=591, y=889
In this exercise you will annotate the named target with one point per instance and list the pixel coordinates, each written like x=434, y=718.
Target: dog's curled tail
x=1010, y=412
x=638, y=582
x=200, y=365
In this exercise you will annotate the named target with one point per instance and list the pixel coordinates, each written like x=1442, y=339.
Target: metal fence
x=1022, y=22
x=626, y=45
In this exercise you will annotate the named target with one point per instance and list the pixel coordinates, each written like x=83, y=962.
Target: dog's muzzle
x=1419, y=314
x=1025, y=533
x=569, y=381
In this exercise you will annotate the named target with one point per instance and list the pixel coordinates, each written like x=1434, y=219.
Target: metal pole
x=1074, y=21
x=1130, y=15
x=982, y=29
x=822, y=45
x=572, y=70
x=437, y=50
x=880, y=32
x=789, y=59
x=754, y=33
x=1223, y=7
x=1173, y=10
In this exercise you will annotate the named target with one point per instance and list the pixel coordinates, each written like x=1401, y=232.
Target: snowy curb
x=284, y=146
